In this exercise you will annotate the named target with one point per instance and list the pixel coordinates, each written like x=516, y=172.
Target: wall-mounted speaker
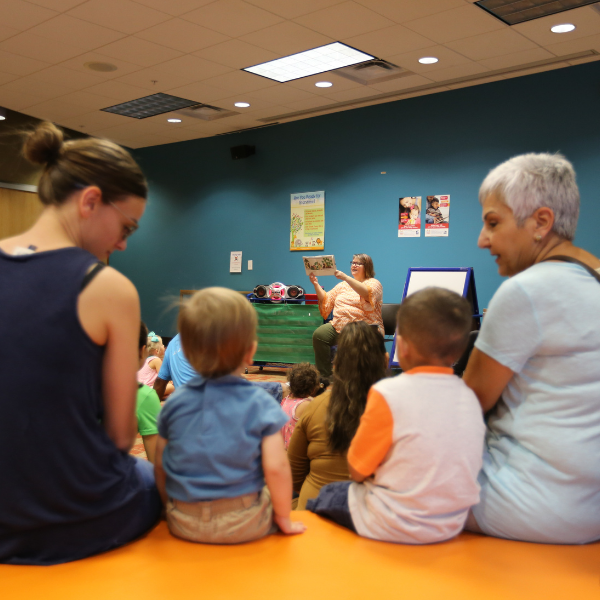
x=245, y=151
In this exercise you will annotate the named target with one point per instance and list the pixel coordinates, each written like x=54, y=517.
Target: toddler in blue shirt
x=220, y=436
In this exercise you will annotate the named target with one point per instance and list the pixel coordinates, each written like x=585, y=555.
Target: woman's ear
x=543, y=219
x=89, y=200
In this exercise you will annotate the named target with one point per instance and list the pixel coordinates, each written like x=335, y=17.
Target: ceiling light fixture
x=2, y=114
x=311, y=62
x=428, y=60
x=562, y=28
x=242, y=104
x=174, y=120
x=323, y=84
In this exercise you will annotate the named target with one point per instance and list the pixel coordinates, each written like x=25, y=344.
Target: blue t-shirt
x=541, y=468
x=175, y=366
x=214, y=429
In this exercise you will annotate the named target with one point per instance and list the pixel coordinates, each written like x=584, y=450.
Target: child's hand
x=288, y=526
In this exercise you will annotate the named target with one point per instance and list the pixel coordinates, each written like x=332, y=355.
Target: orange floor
x=326, y=563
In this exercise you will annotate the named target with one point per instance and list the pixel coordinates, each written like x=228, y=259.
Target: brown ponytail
x=75, y=163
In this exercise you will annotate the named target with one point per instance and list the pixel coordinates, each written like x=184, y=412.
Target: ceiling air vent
x=512, y=12
x=206, y=112
x=373, y=71
x=149, y=106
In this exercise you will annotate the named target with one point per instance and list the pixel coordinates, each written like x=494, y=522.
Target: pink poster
x=409, y=217
x=437, y=216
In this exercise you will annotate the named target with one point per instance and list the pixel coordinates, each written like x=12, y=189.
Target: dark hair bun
x=44, y=144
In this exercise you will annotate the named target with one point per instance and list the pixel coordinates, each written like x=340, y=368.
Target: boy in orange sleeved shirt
x=418, y=449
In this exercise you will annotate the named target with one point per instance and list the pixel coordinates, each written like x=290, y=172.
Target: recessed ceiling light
x=2, y=118
x=563, y=28
x=428, y=60
x=174, y=120
x=242, y=104
x=102, y=67
x=323, y=84
x=311, y=62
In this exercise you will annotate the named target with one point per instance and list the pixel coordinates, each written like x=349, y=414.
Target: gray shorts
x=225, y=521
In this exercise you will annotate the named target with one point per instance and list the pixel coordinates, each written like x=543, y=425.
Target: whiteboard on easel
x=456, y=279
x=451, y=280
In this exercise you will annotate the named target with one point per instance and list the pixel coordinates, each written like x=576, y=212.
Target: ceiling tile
x=518, y=58
x=458, y=71
x=344, y=20
x=282, y=94
x=165, y=80
x=586, y=20
x=308, y=83
x=17, y=100
x=353, y=94
x=410, y=60
x=572, y=46
x=6, y=77
x=78, y=64
x=32, y=46
x=194, y=67
x=89, y=100
x=92, y=121
x=58, y=5
x=391, y=40
x=255, y=103
x=82, y=34
x=264, y=113
x=491, y=44
x=403, y=83
x=20, y=65
x=138, y=51
x=290, y=9
x=236, y=54
x=30, y=86
x=7, y=32
x=117, y=91
x=307, y=103
x=174, y=7
x=240, y=82
x=54, y=110
x=200, y=92
x=182, y=35
x=72, y=80
x=402, y=11
x=287, y=38
x=455, y=24
x=122, y=15
x=232, y=17
x=23, y=15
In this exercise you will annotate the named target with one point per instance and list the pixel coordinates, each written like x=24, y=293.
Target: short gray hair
x=530, y=181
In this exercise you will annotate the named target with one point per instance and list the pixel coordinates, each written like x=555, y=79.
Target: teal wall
x=203, y=204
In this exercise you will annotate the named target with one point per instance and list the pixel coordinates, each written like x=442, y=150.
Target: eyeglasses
x=355, y=264
x=127, y=229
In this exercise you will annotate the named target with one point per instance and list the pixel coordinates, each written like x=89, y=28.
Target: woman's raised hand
x=313, y=279
x=341, y=275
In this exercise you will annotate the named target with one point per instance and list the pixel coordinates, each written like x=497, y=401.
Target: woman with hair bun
x=70, y=488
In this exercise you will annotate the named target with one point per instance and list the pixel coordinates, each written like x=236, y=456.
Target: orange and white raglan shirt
x=349, y=306
x=421, y=438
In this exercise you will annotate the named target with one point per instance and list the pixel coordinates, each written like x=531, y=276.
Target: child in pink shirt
x=304, y=382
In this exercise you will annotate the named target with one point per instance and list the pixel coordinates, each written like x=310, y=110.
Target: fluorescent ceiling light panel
x=512, y=12
x=311, y=62
x=149, y=106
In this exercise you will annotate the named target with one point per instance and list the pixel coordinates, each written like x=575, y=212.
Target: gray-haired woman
x=535, y=367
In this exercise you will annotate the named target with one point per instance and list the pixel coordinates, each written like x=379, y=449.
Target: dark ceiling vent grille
x=512, y=12
x=206, y=112
x=373, y=71
x=149, y=106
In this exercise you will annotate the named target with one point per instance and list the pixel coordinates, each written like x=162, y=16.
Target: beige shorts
x=225, y=521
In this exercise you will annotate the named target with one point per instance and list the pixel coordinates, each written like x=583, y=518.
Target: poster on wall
x=307, y=225
x=437, y=216
x=409, y=217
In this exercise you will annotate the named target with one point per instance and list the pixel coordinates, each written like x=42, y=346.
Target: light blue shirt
x=214, y=429
x=175, y=366
x=541, y=468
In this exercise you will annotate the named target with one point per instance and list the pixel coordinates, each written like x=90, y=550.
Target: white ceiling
x=195, y=49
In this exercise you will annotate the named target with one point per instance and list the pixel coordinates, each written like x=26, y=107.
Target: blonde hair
x=217, y=327
x=73, y=164
x=154, y=345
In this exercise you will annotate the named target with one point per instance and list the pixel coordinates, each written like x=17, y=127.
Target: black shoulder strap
x=570, y=259
x=91, y=274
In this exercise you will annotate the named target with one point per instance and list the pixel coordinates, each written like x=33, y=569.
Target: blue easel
x=457, y=279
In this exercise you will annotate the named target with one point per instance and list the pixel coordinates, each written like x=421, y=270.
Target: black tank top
x=57, y=464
